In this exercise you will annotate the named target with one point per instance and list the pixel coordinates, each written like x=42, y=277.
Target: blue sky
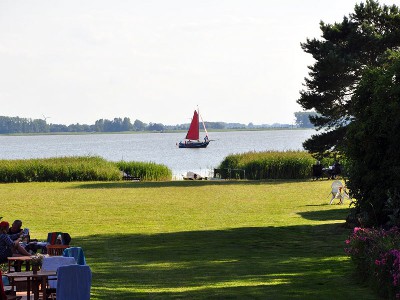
x=155, y=60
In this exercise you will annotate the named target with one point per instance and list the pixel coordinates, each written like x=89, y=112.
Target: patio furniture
x=77, y=253
x=18, y=261
x=74, y=282
x=56, y=250
x=33, y=280
x=52, y=263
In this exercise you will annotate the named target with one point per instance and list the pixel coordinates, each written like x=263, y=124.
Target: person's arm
x=6, y=238
x=15, y=236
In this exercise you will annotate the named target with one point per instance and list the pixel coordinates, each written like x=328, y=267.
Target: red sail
x=193, y=133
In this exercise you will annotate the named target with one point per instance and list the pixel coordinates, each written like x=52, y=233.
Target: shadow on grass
x=297, y=262
x=181, y=183
x=325, y=215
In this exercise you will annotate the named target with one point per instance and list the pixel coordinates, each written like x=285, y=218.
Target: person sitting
x=317, y=171
x=15, y=230
x=8, y=247
x=337, y=169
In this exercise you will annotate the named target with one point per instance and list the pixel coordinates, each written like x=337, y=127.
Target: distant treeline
x=10, y=125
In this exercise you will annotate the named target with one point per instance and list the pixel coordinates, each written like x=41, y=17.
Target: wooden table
x=20, y=260
x=39, y=278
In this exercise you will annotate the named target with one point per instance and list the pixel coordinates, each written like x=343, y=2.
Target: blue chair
x=74, y=282
x=77, y=253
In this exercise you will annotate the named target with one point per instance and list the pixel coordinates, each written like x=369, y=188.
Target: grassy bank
x=197, y=240
x=272, y=164
x=78, y=168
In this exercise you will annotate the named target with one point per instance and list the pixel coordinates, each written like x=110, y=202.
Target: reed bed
x=77, y=168
x=147, y=171
x=272, y=164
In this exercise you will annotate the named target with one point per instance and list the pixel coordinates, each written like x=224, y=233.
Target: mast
x=204, y=125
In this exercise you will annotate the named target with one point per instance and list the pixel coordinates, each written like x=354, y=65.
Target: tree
x=341, y=56
x=303, y=119
x=126, y=124
x=372, y=142
x=139, y=125
x=155, y=127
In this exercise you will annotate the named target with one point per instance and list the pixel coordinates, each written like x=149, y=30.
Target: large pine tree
x=344, y=52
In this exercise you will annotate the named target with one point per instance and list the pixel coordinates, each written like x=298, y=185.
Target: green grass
x=197, y=240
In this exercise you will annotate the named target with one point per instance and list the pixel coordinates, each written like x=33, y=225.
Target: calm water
x=154, y=147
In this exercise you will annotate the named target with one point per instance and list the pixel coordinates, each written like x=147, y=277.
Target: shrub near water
x=271, y=165
x=58, y=169
x=86, y=168
x=146, y=171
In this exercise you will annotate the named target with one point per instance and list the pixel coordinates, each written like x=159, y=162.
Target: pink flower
x=347, y=242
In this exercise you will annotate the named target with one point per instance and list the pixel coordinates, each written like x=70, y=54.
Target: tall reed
x=146, y=171
x=77, y=168
x=271, y=164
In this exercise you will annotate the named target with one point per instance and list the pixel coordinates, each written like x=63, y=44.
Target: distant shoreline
x=141, y=132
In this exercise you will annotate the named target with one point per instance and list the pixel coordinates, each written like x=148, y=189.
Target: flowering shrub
x=376, y=254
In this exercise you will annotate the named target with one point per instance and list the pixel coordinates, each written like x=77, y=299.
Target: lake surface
x=155, y=147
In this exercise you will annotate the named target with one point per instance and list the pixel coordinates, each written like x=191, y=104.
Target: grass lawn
x=197, y=240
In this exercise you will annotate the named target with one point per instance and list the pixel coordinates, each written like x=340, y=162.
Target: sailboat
x=192, y=139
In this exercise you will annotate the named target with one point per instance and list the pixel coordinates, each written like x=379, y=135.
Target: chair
x=317, y=172
x=77, y=253
x=74, y=282
x=57, y=250
x=53, y=263
x=3, y=294
x=52, y=238
x=338, y=192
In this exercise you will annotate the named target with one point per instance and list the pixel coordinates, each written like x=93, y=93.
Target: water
x=155, y=147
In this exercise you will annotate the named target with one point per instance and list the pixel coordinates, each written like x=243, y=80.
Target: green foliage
x=376, y=258
x=373, y=139
x=85, y=168
x=344, y=52
x=147, y=171
x=22, y=125
x=273, y=165
x=80, y=168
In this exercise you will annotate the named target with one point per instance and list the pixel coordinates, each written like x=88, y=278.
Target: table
x=20, y=260
x=36, y=279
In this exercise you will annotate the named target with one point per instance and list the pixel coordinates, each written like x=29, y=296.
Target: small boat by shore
x=192, y=139
x=193, y=176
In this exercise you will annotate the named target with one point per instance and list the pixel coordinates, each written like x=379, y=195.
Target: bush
x=85, y=168
x=374, y=168
x=79, y=168
x=147, y=171
x=376, y=255
x=273, y=164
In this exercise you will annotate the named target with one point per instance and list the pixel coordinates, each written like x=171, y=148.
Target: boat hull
x=192, y=144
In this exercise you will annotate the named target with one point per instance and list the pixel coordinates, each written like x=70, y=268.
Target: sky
x=77, y=61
